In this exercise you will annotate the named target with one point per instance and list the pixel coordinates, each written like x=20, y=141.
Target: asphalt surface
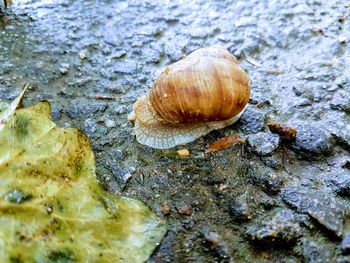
x=268, y=200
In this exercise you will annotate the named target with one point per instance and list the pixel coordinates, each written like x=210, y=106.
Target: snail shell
x=205, y=91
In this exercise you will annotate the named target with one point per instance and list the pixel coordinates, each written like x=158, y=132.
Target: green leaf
x=52, y=208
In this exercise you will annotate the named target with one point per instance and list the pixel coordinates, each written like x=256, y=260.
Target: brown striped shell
x=205, y=91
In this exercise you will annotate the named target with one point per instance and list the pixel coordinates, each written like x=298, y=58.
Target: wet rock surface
x=252, y=119
x=339, y=180
x=315, y=252
x=345, y=244
x=249, y=204
x=312, y=139
x=263, y=143
x=283, y=227
x=321, y=206
x=92, y=60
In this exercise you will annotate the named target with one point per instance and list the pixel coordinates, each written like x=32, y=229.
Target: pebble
x=341, y=101
x=165, y=208
x=109, y=123
x=117, y=154
x=283, y=226
x=247, y=205
x=252, y=120
x=312, y=139
x=345, y=244
x=118, y=53
x=215, y=243
x=82, y=55
x=320, y=205
x=339, y=180
x=64, y=68
x=314, y=252
x=185, y=210
x=120, y=174
x=84, y=107
x=268, y=180
x=240, y=208
x=183, y=152
x=93, y=129
x=126, y=67
x=263, y=143
x=173, y=51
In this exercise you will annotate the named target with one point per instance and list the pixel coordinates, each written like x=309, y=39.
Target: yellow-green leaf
x=52, y=208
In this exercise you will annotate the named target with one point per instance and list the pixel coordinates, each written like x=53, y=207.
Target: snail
x=205, y=91
x=7, y=2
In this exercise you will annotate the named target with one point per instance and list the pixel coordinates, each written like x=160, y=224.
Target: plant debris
x=185, y=210
x=286, y=133
x=52, y=208
x=224, y=143
x=165, y=208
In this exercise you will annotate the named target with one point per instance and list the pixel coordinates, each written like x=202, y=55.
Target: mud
x=266, y=201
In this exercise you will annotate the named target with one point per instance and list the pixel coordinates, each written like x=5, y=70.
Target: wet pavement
x=266, y=201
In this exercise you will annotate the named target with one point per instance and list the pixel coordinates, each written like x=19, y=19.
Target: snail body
x=205, y=91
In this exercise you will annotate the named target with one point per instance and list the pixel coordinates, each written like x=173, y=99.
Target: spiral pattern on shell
x=207, y=90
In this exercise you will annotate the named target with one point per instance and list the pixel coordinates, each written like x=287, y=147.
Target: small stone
x=56, y=111
x=118, y=54
x=252, y=119
x=80, y=82
x=117, y=154
x=343, y=259
x=339, y=181
x=153, y=54
x=314, y=252
x=320, y=205
x=165, y=208
x=240, y=209
x=345, y=244
x=120, y=109
x=263, y=143
x=198, y=33
x=267, y=179
x=213, y=238
x=312, y=139
x=183, y=152
x=272, y=161
x=90, y=127
x=17, y=197
x=247, y=205
x=120, y=174
x=342, y=39
x=82, y=55
x=49, y=208
x=283, y=226
x=346, y=165
x=64, y=68
x=83, y=107
x=109, y=123
x=127, y=67
x=214, y=242
x=173, y=51
x=185, y=210
x=341, y=101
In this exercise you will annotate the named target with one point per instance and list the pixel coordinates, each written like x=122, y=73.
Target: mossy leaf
x=52, y=208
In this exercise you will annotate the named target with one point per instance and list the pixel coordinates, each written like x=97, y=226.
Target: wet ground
x=265, y=201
